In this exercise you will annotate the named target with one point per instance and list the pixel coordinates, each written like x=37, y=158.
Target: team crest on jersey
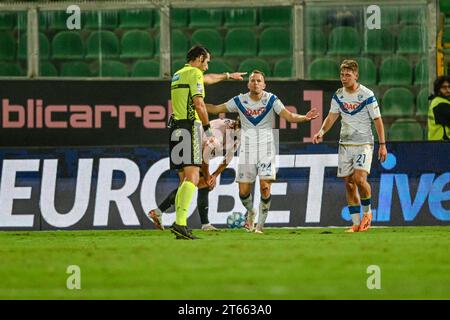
x=264, y=101
x=360, y=97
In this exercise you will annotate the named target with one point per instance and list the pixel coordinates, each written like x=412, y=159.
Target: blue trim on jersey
x=258, y=119
x=360, y=107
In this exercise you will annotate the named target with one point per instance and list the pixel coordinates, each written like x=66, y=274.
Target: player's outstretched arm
x=294, y=117
x=382, y=151
x=326, y=125
x=212, y=78
x=215, y=109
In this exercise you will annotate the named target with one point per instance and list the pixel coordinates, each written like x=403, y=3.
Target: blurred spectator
x=439, y=110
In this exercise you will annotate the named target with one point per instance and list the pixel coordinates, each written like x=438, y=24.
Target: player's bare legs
x=365, y=191
x=265, y=186
x=245, y=194
x=353, y=201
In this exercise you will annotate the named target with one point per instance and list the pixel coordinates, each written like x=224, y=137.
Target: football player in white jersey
x=257, y=110
x=358, y=107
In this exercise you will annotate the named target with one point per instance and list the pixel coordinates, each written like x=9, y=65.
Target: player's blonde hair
x=350, y=65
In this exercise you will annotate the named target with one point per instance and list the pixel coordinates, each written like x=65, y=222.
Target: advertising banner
x=113, y=187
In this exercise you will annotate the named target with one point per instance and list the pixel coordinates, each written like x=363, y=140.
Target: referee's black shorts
x=185, y=144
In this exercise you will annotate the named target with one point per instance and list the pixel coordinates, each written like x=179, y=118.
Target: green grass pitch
x=313, y=263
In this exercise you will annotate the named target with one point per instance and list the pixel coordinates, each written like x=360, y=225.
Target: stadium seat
x=275, y=16
x=10, y=70
x=8, y=46
x=275, y=41
x=101, y=20
x=397, y=102
x=180, y=43
x=323, y=69
x=444, y=6
x=283, y=68
x=389, y=15
x=75, y=69
x=395, y=71
x=136, y=19
x=378, y=41
x=201, y=18
x=56, y=20
x=104, y=43
x=405, y=130
x=344, y=41
x=67, y=45
x=179, y=17
x=178, y=64
x=47, y=69
x=316, y=16
x=240, y=43
x=367, y=71
x=219, y=66
x=251, y=64
x=421, y=72
x=422, y=103
x=412, y=40
x=413, y=15
x=209, y=38
x=240, y=17
x=136, y=44
x=145, y=68
x=344, y=17
x=315, y=41
x=111, y=69
x=8, y=20
x=44, y=47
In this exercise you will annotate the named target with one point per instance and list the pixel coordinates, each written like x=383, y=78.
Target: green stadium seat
x=235, y=39
x=44, y=47
x=75, y=69
x=283, y=68
x=47, y=69
x=209, y=38
x=316, y=16
x=444, y=6
x=101, y=20
x=240, y=17
x=8, y=46
x=275, y=41
x=413, y=15
x=395, y=70
x=315, y=41
x=367, y=71
x=10, y=70
x=344, y=41
x=397, y=102
x=180, y=43
x=56, y=20
x=378, y=41
x=219, y=66
x=178, y=64
x=422, y=103
x=421, y=72
x=251, y=64
x=446, y=35
x=136, y=19
x=111, y=69
x=67, y=45
x=145, y=68
x=412, y=40
x=323, y=69
x=136, y=44
x=104, y=43
x=389, y=15
x=201, y=18
x=8, y=20
x=275, y=16
x=406, y=130
x=179, y=17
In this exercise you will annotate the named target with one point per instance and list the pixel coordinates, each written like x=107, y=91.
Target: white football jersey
x=257, y=118
x=357, y=110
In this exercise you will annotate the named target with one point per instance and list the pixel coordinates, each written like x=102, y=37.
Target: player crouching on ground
x=357, y=106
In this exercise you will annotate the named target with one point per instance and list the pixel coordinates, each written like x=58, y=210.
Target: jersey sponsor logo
x=255, y=112
x=175, y=77
x=351, y=106
x=199, y=88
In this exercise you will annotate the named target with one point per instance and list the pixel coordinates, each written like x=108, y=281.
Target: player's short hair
x=350, y=64
x=197, y=51
x=258, y=72
x=438, y=84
